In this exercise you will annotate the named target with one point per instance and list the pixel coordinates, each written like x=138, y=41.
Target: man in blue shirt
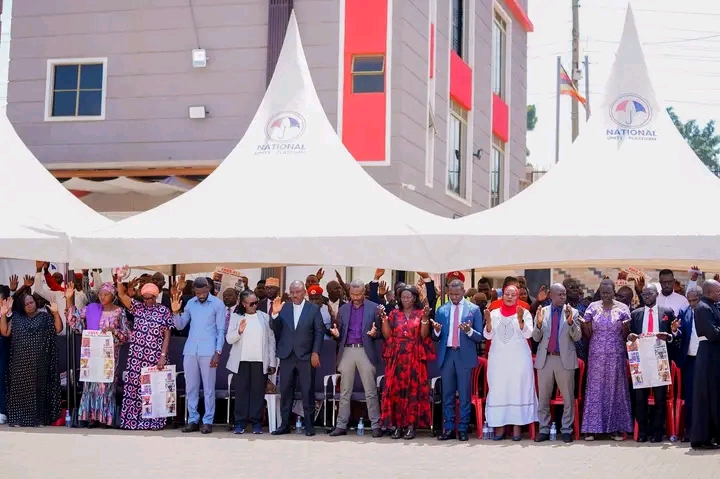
x=206, y=315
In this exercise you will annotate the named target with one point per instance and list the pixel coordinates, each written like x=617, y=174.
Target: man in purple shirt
x=357, y=330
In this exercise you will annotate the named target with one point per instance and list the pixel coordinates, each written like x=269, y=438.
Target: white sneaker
x=3, y=419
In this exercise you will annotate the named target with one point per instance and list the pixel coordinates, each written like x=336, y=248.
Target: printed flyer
x=649, y=362
x=158, y=390
x=97, y=357
x=225, y=278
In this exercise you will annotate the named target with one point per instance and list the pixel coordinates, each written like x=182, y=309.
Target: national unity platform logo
x=632, y=113
x=285, y=126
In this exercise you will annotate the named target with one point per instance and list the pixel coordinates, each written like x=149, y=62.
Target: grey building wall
x=151, y=84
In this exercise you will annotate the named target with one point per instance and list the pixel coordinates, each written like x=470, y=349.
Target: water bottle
x=486, y=431
x=68, y=418
x=298, y=425
x=673, y=438
x=553, y=432
x=361, y=428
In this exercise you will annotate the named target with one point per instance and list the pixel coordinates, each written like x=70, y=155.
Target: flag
x=567, y=87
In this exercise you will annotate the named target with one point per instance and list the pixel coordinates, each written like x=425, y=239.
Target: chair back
x=479, y=385
x=676, y=375
x=61, y=344
x=221, y=379
x=328, y=366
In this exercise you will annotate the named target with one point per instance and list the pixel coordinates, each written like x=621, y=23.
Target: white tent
x=261, y=207
x=631, y=192
x=42, y=203
x=22, y=238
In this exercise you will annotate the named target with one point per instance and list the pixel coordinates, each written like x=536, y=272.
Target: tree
x=531, y=122
x=703, y=140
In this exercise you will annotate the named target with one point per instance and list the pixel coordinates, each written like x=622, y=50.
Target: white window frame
x=49, y=85
x=497, y=12
x=510, y=25
x=464, y=150
x=500, y=147
x=466, y=25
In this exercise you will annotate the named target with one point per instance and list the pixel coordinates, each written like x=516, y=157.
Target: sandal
x=397, y=434
x=589, y=437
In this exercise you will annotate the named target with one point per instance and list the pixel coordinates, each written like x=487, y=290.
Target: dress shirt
x=450, y=324
x=334, y=306
x=252, y=346
x=207, y=326
x=675, y=301
x=646, y=317
x=354, y=334
x=297, y=311
x=325, y=313
x=694, y=341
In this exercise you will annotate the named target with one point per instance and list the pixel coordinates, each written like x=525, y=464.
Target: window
x=458, y=148
x=496, y=171
x=368, y=74
x=76, y=89
x=458, y=27
x=499, y=48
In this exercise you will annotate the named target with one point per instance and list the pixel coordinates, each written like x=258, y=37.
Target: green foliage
x=531, y=117
x=703, y=140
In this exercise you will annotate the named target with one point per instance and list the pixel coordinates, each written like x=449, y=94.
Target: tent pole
x=71, y=363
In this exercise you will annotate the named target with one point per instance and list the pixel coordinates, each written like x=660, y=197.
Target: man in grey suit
x=557, y=329
x=357, y=328
x=299, y=333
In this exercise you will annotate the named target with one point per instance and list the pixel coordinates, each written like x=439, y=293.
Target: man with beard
x=668, y=298
x=272, y=289
x=706, y=387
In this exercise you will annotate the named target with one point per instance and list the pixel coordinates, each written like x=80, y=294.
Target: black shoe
x=657, y=438
x=191, y=427
x=446, y=436
x=567, y=438
x=377, y=433
x=338, y=432
x=280, y=432
x=707, y=446
x=463, y=436
x=686, y=439
x=642, y=438
x=310, y=433
x=206, y=429
x=398, y=433
x=410, y=434
x=542, y=437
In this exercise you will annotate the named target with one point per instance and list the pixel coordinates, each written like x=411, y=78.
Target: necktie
x=552, y=342
x=270, y=311
x=227, y=319
x=454, y=330
x=651, y=320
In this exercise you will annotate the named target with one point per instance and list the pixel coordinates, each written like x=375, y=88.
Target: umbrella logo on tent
x=630, y=111
x=285, y=126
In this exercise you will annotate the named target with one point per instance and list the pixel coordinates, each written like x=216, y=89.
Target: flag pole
x=557, y=109
x=587, y=88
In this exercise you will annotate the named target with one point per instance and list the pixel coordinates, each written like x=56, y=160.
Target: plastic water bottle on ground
x=298, y=425
x=361, y=428
x=486, y=431
x=553, y=432
x=68, y=418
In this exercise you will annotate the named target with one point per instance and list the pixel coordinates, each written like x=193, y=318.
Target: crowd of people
x=532, y=345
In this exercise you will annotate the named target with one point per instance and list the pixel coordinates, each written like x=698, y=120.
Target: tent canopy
x=21, y=237
x=620, y=198
x=261, y=206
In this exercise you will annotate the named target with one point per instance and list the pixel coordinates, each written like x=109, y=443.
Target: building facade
x=429, y=95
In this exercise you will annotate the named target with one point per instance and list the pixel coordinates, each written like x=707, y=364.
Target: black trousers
x=688, y=378
x=249, y=385
x=295, y=372
x=656, y=424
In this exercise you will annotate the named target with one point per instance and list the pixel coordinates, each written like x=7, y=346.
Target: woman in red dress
x=406, y=351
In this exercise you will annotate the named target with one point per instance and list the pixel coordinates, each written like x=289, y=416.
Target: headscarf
x=150, y=289
x=108, y=288
x=509, y=310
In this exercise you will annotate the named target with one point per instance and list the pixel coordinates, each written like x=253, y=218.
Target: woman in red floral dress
x=406, y=351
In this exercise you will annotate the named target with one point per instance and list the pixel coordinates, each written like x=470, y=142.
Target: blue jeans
x=4, y=359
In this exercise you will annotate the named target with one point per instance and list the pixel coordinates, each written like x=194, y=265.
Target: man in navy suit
x=357, y=330
x=299, y=334
x=456, y=330
x=685, y=358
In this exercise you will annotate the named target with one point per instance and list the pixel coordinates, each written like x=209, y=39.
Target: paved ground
x=59, y=453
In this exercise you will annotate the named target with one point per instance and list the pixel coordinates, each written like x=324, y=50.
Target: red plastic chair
x=680, y=426
x=478, y=397
x=557, y=400
x=669, y=410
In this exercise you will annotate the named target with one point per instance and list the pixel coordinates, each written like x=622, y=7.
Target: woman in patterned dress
x=98, y=402
x=33, y=378
x=149, y=342
x=607, y=396
x=406, y=351
x=511, y=396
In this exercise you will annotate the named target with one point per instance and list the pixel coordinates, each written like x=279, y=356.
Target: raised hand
x=6, y=306
x=381, y=312
x=569, y=314
x=488, y=320
x=694, y=274
x=520, y=314
x=379, y=273
x=639, y=284
x=382, y=288
x=70, y=292
x=335, y=332
x=436, y=326
x=14, y=283
x=277, y=305
x=423, y=275
x=542, y=294
x=320, y=274
x=53, y=307
x=675, y=325
x=28, y=281
x=175, y=303
x=242, y=326
x=465, y=326
x=539, y=317
x=426, y=312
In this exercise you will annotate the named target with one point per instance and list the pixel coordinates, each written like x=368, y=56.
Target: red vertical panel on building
x=500, y=118
x=460, y=81
x=432, y=50
x=363, y=115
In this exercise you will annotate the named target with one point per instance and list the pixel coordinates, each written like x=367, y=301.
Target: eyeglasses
x=253, y=304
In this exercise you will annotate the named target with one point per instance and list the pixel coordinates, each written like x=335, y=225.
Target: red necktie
x=651, y=320
x=270, y=311
x=455, y=342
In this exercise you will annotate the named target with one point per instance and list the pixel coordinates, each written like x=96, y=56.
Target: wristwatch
x=219, y=353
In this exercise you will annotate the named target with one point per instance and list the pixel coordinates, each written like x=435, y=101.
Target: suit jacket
x=467, y=344
x=370, y=317
x=264, y=305
x=687, y=318
x=237, y=341
x=707, y=321
x=665, y=317
x=567, y=337
x=304, y=340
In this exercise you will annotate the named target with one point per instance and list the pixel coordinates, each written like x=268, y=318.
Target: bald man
x=557, y=329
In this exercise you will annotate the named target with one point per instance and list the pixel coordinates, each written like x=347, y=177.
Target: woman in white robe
x=511, y=398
